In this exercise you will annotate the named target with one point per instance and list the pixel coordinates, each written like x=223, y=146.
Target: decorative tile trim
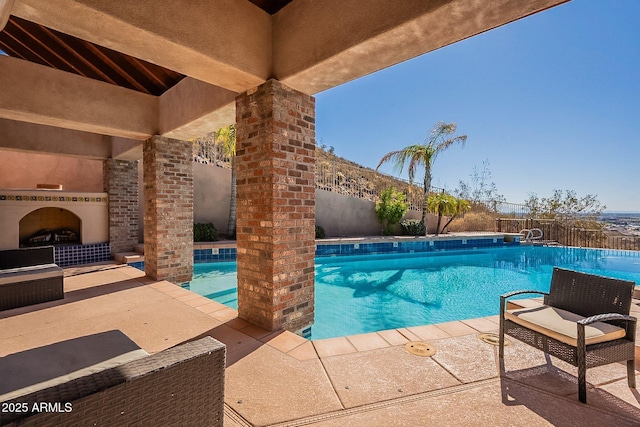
x=59, y=199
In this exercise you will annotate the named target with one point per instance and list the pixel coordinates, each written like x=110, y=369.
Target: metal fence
x=342, y=176
x=508, y=210
x=570, y=235
x=206, y=151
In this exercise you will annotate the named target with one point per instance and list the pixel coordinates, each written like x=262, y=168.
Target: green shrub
x=413, y=227
x=320, y=233
x=205, y=233
x=390, y=209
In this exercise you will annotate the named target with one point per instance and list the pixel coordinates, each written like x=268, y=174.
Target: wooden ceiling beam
x=78, y=57
x=117, y=67
x=27, y=48
x=47, y=48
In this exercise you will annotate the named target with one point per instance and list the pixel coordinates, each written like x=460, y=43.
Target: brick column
x=275, y=162
x=168, y=209
x=120, y=182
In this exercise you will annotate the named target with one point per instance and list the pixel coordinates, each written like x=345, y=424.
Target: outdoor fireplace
x=35, y=217
x=49, y=226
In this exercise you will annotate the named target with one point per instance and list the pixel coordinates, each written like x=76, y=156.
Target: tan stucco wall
x=338, y=214
x=26, y=170
x=211, y=195
x=342, y=215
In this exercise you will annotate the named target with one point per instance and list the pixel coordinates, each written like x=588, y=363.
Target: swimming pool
x=358, y=294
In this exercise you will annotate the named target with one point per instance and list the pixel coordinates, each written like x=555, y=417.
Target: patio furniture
x=584, y=321
x=121, y=386
x=29, y=276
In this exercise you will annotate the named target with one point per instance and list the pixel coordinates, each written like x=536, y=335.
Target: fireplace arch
x=49, y=225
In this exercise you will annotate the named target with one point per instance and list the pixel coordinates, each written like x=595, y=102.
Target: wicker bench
x=181, y=386
x=29, y=276
x=584, y=321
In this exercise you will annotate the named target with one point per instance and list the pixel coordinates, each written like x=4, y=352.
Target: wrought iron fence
x=345, y=177
x=333, y=173
x=342, y=176
x=206, y=151
x=570, y=235
x=508, y=210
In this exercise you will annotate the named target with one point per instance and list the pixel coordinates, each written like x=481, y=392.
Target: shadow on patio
x=282, y=379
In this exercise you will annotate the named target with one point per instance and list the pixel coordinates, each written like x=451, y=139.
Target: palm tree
x=458, y=207
x=226, y=137
x=444, y=204
x=439, y=139
x=441, y=204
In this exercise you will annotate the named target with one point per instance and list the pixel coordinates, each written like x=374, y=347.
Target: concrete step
x=128, y=257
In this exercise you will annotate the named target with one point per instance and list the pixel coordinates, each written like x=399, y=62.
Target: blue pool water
x=358, y=294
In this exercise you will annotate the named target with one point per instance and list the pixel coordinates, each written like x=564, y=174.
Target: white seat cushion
x=561, y=325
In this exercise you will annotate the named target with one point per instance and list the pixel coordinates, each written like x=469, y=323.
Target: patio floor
x=280, y=379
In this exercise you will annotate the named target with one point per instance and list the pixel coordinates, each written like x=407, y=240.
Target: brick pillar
x=275, y=161
x=168, y=209
x=121, y=184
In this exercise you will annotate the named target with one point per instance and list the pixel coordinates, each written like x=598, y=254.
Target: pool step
x=128, y=257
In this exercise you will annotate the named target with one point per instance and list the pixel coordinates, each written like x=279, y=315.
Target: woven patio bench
x=584, y=321
x=29, y=276
x=117, y=384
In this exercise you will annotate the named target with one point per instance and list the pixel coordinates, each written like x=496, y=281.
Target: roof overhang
x=225, y=48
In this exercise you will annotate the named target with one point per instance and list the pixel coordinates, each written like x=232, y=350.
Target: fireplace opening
x=49, y=226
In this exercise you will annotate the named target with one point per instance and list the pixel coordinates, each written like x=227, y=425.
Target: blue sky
x=552, y=101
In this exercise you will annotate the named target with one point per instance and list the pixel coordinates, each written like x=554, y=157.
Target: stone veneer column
x=275, y=161
x=120, y=182
x=168, y=209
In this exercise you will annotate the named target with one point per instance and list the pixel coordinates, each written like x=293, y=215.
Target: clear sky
x=552, y=101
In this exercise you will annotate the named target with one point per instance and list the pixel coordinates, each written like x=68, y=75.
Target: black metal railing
x=568, y=234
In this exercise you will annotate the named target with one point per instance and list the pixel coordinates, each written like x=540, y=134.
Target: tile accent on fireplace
x=63, y=199
x=66, y=255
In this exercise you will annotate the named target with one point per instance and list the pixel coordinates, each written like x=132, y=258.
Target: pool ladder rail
x=531, y=235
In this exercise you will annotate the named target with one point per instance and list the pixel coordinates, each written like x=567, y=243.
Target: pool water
x=358, y=294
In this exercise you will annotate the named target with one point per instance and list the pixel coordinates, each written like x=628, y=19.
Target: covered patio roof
x=121, y=72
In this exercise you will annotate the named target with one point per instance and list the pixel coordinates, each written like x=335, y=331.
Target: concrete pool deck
x=281, y=379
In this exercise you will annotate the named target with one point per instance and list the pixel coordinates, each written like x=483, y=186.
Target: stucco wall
x=341, y=215
x=211, y=195
x=26, y=170
x=338, y=214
